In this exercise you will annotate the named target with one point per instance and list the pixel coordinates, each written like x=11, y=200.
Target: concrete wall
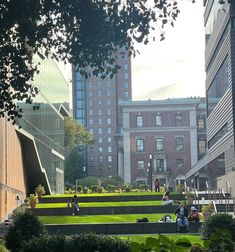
x=230, y=177
x=12, y=177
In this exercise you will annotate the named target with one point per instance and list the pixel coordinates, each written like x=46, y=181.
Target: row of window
x=109, y=139
x=178, y=121
x=158, y=120
x=100, y=121
x=159, y=144
x=101, y=158
x=159, y=164
x=100, y=130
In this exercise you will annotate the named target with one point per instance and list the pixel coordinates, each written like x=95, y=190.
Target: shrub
x=39, y=191
x=85, y=189
x=88, y=181
x=46, y=243
x=79, y=188
x=126, y=188
x=221, y=221
x=111, y=188
x=100, y=189
x=219, y=240
x=94, y=188
x=25, y=226
x=114, y=180
x=82, y=242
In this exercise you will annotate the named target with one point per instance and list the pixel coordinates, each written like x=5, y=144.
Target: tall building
x=217, y=168
x=34, y=153
x=95, y=105
x=161, y=137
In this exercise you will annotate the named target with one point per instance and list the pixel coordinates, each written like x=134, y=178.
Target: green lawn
x=117, y=218
x=141, y=238
x=102, y=204
x=106, y=194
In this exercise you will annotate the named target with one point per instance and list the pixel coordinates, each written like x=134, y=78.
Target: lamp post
x=151, y=172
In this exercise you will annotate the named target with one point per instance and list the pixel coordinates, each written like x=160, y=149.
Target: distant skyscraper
x=95, y=105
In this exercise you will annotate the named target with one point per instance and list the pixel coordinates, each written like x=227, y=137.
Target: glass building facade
x=45, y=123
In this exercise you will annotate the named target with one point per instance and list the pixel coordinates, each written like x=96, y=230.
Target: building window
x=90, y=84
x=178, y=120
x=90, y=103
x=218, y=87
x=99, y=93
x=109, y=130
x=179, y=163
x=108, y=111
x=90, y=112
x=139, y=145
x=140, y=164
x=99, y=83
x=108, y=83
x=202, y=146
x=109, y=158
x=179, y=143
x=99, y=112
x=126, y=76
x=100, y=140
x=201, y=123
x=108, y=120
x=108, y=102
x=99, y=102
x=91, y=131
x=100, y=149
x=100, y=130
x=139, y=121
x=126, y=66
x=159, y=144
x=101, y=159
x=91, y=121
x=109, y=139
x=126, y=85
x=91, y=158
x=160, y=164
x=109, y=149
x=158, y=120
x=90, y=94
x=108, y=92
x=99, y=121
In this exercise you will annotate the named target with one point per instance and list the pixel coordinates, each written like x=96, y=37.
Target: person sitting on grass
x=193, y=215
x=166, y=198
x=75, y=206
x=182, y=217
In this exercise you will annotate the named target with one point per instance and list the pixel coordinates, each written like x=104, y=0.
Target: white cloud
x=173, y=67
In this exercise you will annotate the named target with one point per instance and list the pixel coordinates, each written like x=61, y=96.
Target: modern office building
x=161, y=139
x=34, y=153
x=95, y=105
x=217, y=167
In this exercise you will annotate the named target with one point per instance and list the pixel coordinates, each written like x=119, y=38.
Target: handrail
x=214, y=205
x=228, y=187
x=197, y=197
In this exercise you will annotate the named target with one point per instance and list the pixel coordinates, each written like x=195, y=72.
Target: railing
x=197, y=200
x=214, y=205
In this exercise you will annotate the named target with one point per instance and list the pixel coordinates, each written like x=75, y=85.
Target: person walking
x=157, y=185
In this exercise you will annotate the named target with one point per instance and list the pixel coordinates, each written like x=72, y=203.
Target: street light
x=151, y=172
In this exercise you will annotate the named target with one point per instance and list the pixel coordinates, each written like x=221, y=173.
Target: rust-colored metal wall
x=12, y=175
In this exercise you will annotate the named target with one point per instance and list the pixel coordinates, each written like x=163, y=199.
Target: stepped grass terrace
x=102, y=204
x=94, y=219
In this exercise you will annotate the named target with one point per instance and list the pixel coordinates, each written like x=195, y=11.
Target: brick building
x=165, y=136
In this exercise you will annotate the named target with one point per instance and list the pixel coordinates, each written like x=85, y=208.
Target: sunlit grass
x=194, y=238
x=102, y=204
x=106, y=194
x=117, y=218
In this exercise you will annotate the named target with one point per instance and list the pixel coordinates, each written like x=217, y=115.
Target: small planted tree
x=39, y=191
x=33, y=200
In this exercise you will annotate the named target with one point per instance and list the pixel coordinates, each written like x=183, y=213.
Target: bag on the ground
x=145, y=219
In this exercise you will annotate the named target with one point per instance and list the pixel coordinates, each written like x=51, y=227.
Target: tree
x=85, y=33
x=74, y=164
x=75, y=134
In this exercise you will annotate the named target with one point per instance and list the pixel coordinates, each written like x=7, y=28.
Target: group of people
x=183, y=216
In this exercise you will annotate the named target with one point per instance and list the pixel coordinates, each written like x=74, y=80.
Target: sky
x=174, y=67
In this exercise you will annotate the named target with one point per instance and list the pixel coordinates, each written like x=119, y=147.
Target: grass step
x=117, y=218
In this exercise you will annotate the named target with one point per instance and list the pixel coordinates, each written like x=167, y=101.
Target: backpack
x=145, y=219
